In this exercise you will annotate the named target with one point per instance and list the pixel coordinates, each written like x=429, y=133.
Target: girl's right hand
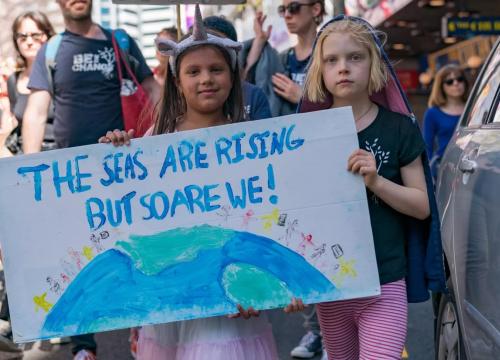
x=117, y=137
x=295, y=306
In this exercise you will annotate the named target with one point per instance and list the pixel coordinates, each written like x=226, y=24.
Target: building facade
x=142, y=22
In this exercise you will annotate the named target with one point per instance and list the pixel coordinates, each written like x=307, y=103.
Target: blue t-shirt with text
x=86, y=87
x=255, y=102
x=296, y=68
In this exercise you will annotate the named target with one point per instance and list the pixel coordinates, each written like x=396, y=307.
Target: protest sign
x=185, y=225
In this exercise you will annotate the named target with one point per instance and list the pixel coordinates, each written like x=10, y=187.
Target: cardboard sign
x=185, y=225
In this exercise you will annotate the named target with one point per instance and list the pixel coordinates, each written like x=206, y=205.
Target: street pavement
x=287, y=329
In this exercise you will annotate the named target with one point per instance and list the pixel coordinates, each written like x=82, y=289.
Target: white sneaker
x=5, y=328
x=84, y=355
x=309, y=345
x=62, y=340
x=325, y=355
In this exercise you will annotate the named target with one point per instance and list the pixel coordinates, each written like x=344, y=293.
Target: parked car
x=468, y=195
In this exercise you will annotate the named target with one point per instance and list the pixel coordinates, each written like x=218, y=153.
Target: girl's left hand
x=117, y=137
x=295, y=306
x=246, y=314
x=363, y=162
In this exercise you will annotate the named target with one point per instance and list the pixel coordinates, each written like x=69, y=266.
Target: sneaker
x=61, y=340
x=309, y=345
x=325, y=355
x=5, y=329
x=84, y=355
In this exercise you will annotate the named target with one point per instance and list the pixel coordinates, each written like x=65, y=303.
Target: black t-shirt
x=86, y=87
x=18, y=104
x=395, y=142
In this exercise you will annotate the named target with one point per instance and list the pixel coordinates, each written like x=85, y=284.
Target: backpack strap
x=50, y=59
x=123, y=40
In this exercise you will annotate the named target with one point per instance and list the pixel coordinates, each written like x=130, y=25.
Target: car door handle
x=467, y=165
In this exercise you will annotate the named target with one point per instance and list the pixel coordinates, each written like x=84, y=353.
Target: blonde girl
x=349, y=68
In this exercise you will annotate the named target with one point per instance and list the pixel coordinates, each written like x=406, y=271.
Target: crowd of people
x=66, y=91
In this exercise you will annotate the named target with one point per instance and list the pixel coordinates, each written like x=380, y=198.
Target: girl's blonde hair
x=315, y=86
x=438, y=97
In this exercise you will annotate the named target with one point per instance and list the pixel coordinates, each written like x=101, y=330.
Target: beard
x=78, y=15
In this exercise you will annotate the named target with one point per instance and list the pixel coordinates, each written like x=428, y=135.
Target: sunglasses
x=450, y=82
x=37, y=36
x=292, y=8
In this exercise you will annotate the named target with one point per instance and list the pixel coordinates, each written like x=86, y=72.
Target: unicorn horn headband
x=198, y=37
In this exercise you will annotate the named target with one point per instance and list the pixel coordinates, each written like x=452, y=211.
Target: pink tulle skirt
x=216, y=338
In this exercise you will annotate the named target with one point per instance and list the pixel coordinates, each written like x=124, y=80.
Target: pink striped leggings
x=371, y=328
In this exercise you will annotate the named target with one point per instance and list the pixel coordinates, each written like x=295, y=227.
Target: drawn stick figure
x=69, y=268
x=96, y=243
x=319, y=251
x=248, y=217
x=224, y=213
x=291, y=230
x=65, y=278
x=306, y=240
x=75, y=256
x=54, y=285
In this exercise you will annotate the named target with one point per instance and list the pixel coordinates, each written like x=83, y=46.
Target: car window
x=478, y=109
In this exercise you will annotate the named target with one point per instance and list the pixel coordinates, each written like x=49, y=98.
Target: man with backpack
x=78, y=71
x=82, y=80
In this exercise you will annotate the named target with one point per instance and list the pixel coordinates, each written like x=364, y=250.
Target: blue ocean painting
x=181, y=274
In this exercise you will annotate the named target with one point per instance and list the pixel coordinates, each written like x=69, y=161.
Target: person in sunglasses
x=30, y=30
x=302, y=18
x=446, y=105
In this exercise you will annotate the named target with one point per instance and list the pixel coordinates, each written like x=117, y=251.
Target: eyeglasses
x=292, y=8
x=36, y=36
x=450, y=82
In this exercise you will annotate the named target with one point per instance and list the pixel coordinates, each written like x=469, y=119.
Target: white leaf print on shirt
x=381, y=156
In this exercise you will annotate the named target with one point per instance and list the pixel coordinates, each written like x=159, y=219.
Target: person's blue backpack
x=53, y=44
